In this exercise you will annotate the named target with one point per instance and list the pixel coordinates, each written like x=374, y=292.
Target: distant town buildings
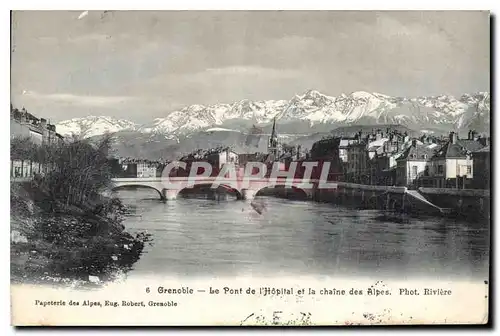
x=451, y=166
x=357, y=163
x=389, y=157
x=413, y=164
x=144, y=169
x=394, y=158
x=128, y=167
x=219, y=158
x=25, y=125
x=329, y=148
x=37, y=131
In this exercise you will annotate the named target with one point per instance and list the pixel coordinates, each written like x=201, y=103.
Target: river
x=201, y=237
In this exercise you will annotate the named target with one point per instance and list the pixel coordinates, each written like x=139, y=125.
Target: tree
x=75, y=172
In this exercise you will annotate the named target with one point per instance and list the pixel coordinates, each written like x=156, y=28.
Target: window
x=469, y=170
x=426, y=171
x=414, y=170
x=440, y=169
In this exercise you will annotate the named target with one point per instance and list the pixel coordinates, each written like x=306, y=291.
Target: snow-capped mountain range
x=92, y=125
x=312, y=109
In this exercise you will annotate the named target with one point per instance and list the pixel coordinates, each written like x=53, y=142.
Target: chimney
x=43, y=122
x=453, y=137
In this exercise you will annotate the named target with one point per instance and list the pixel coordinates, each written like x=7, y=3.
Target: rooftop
x=416, y=153
x=483, y=150
x=459, y=149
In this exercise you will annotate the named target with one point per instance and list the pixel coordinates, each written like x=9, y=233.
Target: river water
x=201, y=237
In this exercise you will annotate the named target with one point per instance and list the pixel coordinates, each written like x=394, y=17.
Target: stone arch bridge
x=245, y=190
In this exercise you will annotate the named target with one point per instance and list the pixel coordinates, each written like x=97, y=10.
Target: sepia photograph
x=250, y=167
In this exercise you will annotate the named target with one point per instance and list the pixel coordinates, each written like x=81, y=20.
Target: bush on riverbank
x=62, y=227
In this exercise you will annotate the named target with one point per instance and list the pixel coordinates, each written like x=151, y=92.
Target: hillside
x=134, y=144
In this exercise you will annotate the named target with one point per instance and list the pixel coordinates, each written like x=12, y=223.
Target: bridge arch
x=137, y=185
x=282, y=186
x=220, y=187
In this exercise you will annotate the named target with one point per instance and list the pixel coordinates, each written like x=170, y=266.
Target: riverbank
x=55, y=244
x=451, y=203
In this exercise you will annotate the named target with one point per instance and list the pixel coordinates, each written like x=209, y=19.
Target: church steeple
x=273, y=133
x=273, y=141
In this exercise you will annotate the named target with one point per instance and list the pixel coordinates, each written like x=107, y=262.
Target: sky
x=139, y=65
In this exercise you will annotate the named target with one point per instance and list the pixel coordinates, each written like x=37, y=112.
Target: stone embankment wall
x=445, y=202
